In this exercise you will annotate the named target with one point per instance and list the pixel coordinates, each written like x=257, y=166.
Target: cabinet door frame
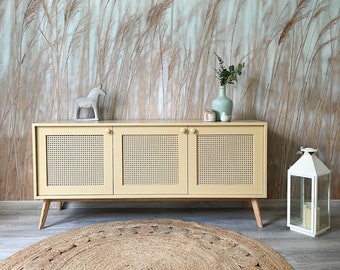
x=159, y=190
x=258, y=189
x=42, y=189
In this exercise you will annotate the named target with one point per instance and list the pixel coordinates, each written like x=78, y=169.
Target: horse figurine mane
x=89, y=102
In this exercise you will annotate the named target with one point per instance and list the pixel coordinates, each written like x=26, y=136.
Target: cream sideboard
x=149, y=160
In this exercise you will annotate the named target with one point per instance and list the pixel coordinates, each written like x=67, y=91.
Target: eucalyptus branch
x=227, y=75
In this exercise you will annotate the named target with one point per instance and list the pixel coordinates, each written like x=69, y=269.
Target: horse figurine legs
x=79, y=105
x=89, y=102
x=95, y=110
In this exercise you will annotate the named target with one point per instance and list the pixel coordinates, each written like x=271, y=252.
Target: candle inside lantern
x=307, y=216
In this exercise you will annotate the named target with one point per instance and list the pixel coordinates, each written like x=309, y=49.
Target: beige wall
x=155, y=60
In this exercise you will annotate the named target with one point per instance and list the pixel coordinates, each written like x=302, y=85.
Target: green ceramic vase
x=222, y=104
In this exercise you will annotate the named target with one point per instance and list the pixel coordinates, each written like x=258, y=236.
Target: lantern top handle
x=308, y=150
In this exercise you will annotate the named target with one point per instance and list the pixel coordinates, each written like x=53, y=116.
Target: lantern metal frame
x=307, y=173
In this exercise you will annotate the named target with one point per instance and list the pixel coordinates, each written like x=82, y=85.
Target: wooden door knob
x=192, y=130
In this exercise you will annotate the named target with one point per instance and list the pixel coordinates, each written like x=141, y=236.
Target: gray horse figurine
x=89, y=102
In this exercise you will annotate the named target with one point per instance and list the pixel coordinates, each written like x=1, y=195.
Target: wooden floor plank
x=19, y=225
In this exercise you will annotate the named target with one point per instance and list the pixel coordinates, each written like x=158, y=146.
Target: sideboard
x=149, y=160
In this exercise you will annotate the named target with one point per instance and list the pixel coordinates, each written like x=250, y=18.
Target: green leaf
x=229, y=75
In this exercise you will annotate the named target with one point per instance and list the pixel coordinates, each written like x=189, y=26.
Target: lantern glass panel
x=323, y=202
x=301, y=192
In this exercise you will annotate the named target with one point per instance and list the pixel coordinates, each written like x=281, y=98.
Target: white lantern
x=308, y=192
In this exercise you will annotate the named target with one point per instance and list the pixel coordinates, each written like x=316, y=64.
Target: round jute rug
x=147, y=245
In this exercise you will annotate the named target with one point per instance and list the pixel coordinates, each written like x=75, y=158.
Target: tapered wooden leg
x=44, y=212
x=257, y=212
x=245, y=204
x=60, y=205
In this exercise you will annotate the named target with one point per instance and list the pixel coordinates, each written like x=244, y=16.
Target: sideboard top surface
x=149, y=123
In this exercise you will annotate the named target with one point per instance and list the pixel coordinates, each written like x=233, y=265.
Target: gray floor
x=19, y=223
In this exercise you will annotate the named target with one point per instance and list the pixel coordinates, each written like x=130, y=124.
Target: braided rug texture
x=147, y=245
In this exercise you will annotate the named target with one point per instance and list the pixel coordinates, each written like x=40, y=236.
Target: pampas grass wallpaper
x=155, y=59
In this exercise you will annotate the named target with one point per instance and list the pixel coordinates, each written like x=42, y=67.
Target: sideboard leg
x=60, y=205
x=245, y=204
x=44, y=212
x=257, y=212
